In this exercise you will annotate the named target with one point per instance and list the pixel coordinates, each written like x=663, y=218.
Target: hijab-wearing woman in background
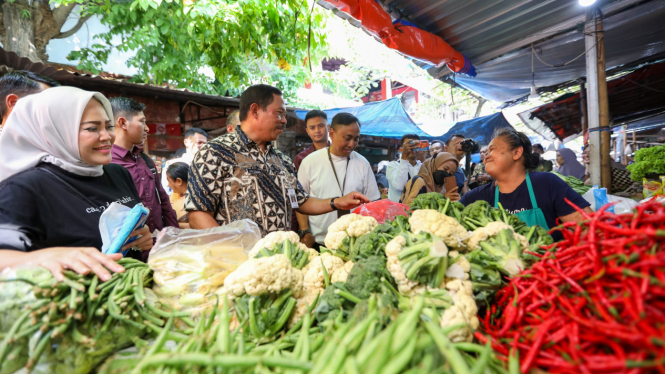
x=430, y=178
x=568, y=164
x=56, y=179
x=176, y=175
x=536, y=198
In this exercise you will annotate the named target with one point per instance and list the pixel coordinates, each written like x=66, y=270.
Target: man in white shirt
x=194, y=139
x=400, y=172
x=335, y=171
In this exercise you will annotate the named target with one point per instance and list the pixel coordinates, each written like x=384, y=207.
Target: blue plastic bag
x=117, y=222
x=600, y=195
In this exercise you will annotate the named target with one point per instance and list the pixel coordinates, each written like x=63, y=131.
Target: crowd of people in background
x=66, y=154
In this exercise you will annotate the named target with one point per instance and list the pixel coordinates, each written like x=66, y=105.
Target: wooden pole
x=624, y=156
x=605, y=133
x=593, y=109
x=584, y=119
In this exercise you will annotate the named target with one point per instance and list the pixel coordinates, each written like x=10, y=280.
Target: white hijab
x=44, y=127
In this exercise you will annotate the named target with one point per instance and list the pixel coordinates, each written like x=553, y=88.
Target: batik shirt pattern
x=233, y=178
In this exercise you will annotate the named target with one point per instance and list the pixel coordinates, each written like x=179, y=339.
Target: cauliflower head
x=446, y=228
x=266, y=274
x=313, y=277
x=492, y=229
x=272, y=239
x=342, y=273
x=463, y=311
x=304, y=302
x=458, y=267
x=405, y=286
x=353, y=225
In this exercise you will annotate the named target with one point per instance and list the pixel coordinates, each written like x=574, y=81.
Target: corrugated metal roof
x=491, y=32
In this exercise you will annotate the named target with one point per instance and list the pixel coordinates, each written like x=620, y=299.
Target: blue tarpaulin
x=380, y=118
x=479, y=129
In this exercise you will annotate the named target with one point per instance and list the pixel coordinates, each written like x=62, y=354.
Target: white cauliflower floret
x=342, y=273
x=463, y=311
x=302, y=304
x=272, y=239
x=313, y=277
x=459, y=269
x=404, y=285
x=353, y=225
x=266, y=274
x=446, y=228
x=493, y=228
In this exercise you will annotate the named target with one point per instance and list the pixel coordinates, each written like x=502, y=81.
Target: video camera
x=470, y=146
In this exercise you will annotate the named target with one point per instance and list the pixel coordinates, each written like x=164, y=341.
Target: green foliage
x=436, y=201
x=177, y=41
x=264, y=315
x=648, y=161
x=298, y=257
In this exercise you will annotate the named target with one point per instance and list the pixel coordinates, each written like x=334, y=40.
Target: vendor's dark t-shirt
x=39, y=211
x=550, y=192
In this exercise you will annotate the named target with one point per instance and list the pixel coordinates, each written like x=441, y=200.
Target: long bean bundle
x=80, y=321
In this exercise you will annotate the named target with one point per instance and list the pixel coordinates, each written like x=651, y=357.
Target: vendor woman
x=56, y=179
x=536, y=198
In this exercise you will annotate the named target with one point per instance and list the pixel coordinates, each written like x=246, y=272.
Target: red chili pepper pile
x=595, y=303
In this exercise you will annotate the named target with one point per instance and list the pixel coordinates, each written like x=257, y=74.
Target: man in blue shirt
x=453, y=146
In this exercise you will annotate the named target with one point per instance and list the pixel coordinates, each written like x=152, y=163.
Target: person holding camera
x=454, y=146
x=479, y=176
x=399, y=172
x=431, y=178
x=536, y=198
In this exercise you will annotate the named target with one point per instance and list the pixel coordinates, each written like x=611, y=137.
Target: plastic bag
x=190, y=265
x=382, y=210
x=117, y=222
x=652, y=188
x=600, y=197
x=623, y=205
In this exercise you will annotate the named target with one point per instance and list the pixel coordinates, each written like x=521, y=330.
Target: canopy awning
x=386, y=118
x=479, y=129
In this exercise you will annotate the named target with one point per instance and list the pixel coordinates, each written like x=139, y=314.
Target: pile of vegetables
x=397, y=297
x=574, y=183
x=409, y=343
x=594, y=303
x=73, y=325
x=648, y=161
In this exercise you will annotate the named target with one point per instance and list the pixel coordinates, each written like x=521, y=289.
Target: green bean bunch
x=410, y=343
x=79, y=312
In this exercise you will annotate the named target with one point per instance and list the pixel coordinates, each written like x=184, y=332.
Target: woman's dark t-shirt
x=550, y=192
x=39, y=211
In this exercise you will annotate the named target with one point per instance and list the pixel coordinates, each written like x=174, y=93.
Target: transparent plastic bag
x=190, y=265
x=382, y=210
x=622, y=205
x=117, y=222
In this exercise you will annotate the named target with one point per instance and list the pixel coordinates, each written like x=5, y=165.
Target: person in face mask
x=431, y=177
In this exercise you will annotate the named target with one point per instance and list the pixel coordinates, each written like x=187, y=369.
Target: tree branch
x=74, y=29
x=61, y=13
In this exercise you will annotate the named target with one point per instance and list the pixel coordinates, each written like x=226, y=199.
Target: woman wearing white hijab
x=56, y=179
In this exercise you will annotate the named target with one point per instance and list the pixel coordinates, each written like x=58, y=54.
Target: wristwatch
x=332, y=204
x=302, y=233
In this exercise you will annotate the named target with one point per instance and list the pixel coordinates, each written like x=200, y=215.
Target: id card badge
x=292, y=197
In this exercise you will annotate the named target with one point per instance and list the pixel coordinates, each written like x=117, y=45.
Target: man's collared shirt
x=234, y=179
x=152, y=194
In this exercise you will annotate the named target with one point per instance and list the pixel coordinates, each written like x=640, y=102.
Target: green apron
x=531, y=217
